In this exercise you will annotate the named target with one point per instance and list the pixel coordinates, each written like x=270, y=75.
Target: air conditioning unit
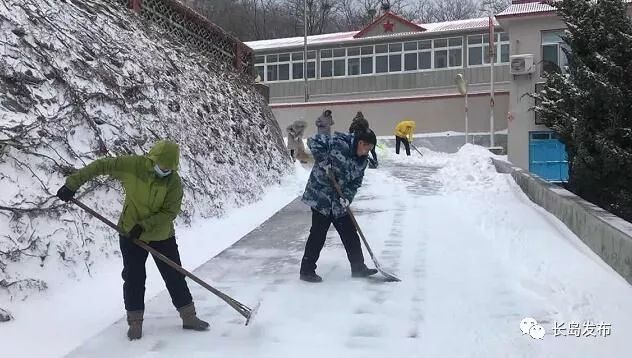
x=522, y=64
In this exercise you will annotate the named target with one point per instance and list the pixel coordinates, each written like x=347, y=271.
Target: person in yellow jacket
x=153, y=197
x=404, y=134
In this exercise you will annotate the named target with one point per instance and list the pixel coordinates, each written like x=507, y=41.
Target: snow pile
x=427, y=158
x=471, y=170
x=87, y=79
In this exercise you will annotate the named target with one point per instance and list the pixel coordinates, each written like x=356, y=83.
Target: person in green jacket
x=153, y=197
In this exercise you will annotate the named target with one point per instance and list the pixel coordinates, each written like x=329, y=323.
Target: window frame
x=447, y=49
x=483, y=45
x=290, y=63
x=562, y=60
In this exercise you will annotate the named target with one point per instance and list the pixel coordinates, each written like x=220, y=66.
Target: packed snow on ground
x=72, y=311
x=475, y=257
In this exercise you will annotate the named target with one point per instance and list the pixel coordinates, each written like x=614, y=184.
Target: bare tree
x=355, y=14
x=424, y=11
x=449, y=10
x=499, y=5
x=427, y=11
x=319, y=15
x=265, y=19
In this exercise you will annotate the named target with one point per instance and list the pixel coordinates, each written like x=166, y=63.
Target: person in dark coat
x=344, y=155
x=359, y=123
x=324, y=123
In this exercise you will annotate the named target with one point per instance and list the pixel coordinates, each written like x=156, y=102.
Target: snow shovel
x=389, y=276
x=244, y=310
x=415, y=148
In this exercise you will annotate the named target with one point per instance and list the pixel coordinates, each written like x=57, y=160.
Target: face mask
x=160, y=173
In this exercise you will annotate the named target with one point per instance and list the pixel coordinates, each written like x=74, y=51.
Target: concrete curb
x=607, y=235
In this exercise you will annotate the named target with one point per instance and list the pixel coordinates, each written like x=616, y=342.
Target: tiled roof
x=530, y=8
x=432, y=28
x=526, y=9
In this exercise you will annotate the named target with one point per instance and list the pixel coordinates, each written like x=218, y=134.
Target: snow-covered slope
x=86, y=79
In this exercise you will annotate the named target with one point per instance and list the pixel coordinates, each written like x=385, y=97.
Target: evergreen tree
x=589, y=104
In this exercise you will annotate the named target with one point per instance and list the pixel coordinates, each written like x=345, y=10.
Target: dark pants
x=399, y=140
x=134, y=258
x=318, y=234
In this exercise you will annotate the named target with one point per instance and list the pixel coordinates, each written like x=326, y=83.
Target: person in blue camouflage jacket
x=345, y=155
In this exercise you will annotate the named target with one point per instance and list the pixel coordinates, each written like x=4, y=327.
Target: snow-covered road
x=475, y=257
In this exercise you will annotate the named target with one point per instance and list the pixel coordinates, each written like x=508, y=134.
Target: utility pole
x=492, y=60
x=461, y=85
x=305, y=50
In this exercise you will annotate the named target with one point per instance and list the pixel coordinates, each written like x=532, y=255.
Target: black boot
x=363, y=271
x=311, y=277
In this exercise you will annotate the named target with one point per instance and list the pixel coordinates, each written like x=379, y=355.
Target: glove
x=65, y=194
x=326, y=166
x=344, y=202
x=135, y=233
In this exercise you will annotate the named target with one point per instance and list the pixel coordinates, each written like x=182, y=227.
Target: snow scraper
x=389, y=276
x=244, y=310
x=412, y=145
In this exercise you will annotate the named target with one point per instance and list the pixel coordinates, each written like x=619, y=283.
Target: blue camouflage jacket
x=338, y=151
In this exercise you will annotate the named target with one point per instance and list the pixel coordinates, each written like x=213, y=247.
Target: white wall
x=434, y=114
x=525, y=35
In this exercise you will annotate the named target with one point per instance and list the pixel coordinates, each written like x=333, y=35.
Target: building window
x=381, y=58
x=455, y=52
x=261, y=71
x=424, y=55
x=285, y=66
x=395, y=57
x=332, y=63
x=366, y=60
x=553, y=56
x=475, y=50
x=410, y=56
x=448, y=52
x=503, y=47
x=353, y=66
x=353, y=61
x=478, y=49
x=360, y=61
x=339, y=62
x=326, y=63
x=298, y=63
x=260, y=66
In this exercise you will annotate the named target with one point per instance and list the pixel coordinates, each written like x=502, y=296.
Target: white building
x=394, y=69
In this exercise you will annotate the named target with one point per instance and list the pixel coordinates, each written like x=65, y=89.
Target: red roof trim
x=380, y=100
x=388, y=14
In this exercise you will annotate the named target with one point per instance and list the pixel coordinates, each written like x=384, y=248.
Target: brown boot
x=135, y=322
x=190, y=320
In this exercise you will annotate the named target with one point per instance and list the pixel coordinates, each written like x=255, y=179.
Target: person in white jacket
x=295, y=133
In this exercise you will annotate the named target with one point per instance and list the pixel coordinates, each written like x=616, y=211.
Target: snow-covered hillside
x=85, y=79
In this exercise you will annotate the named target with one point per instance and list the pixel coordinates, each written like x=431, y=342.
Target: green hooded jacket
x=151, y=201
